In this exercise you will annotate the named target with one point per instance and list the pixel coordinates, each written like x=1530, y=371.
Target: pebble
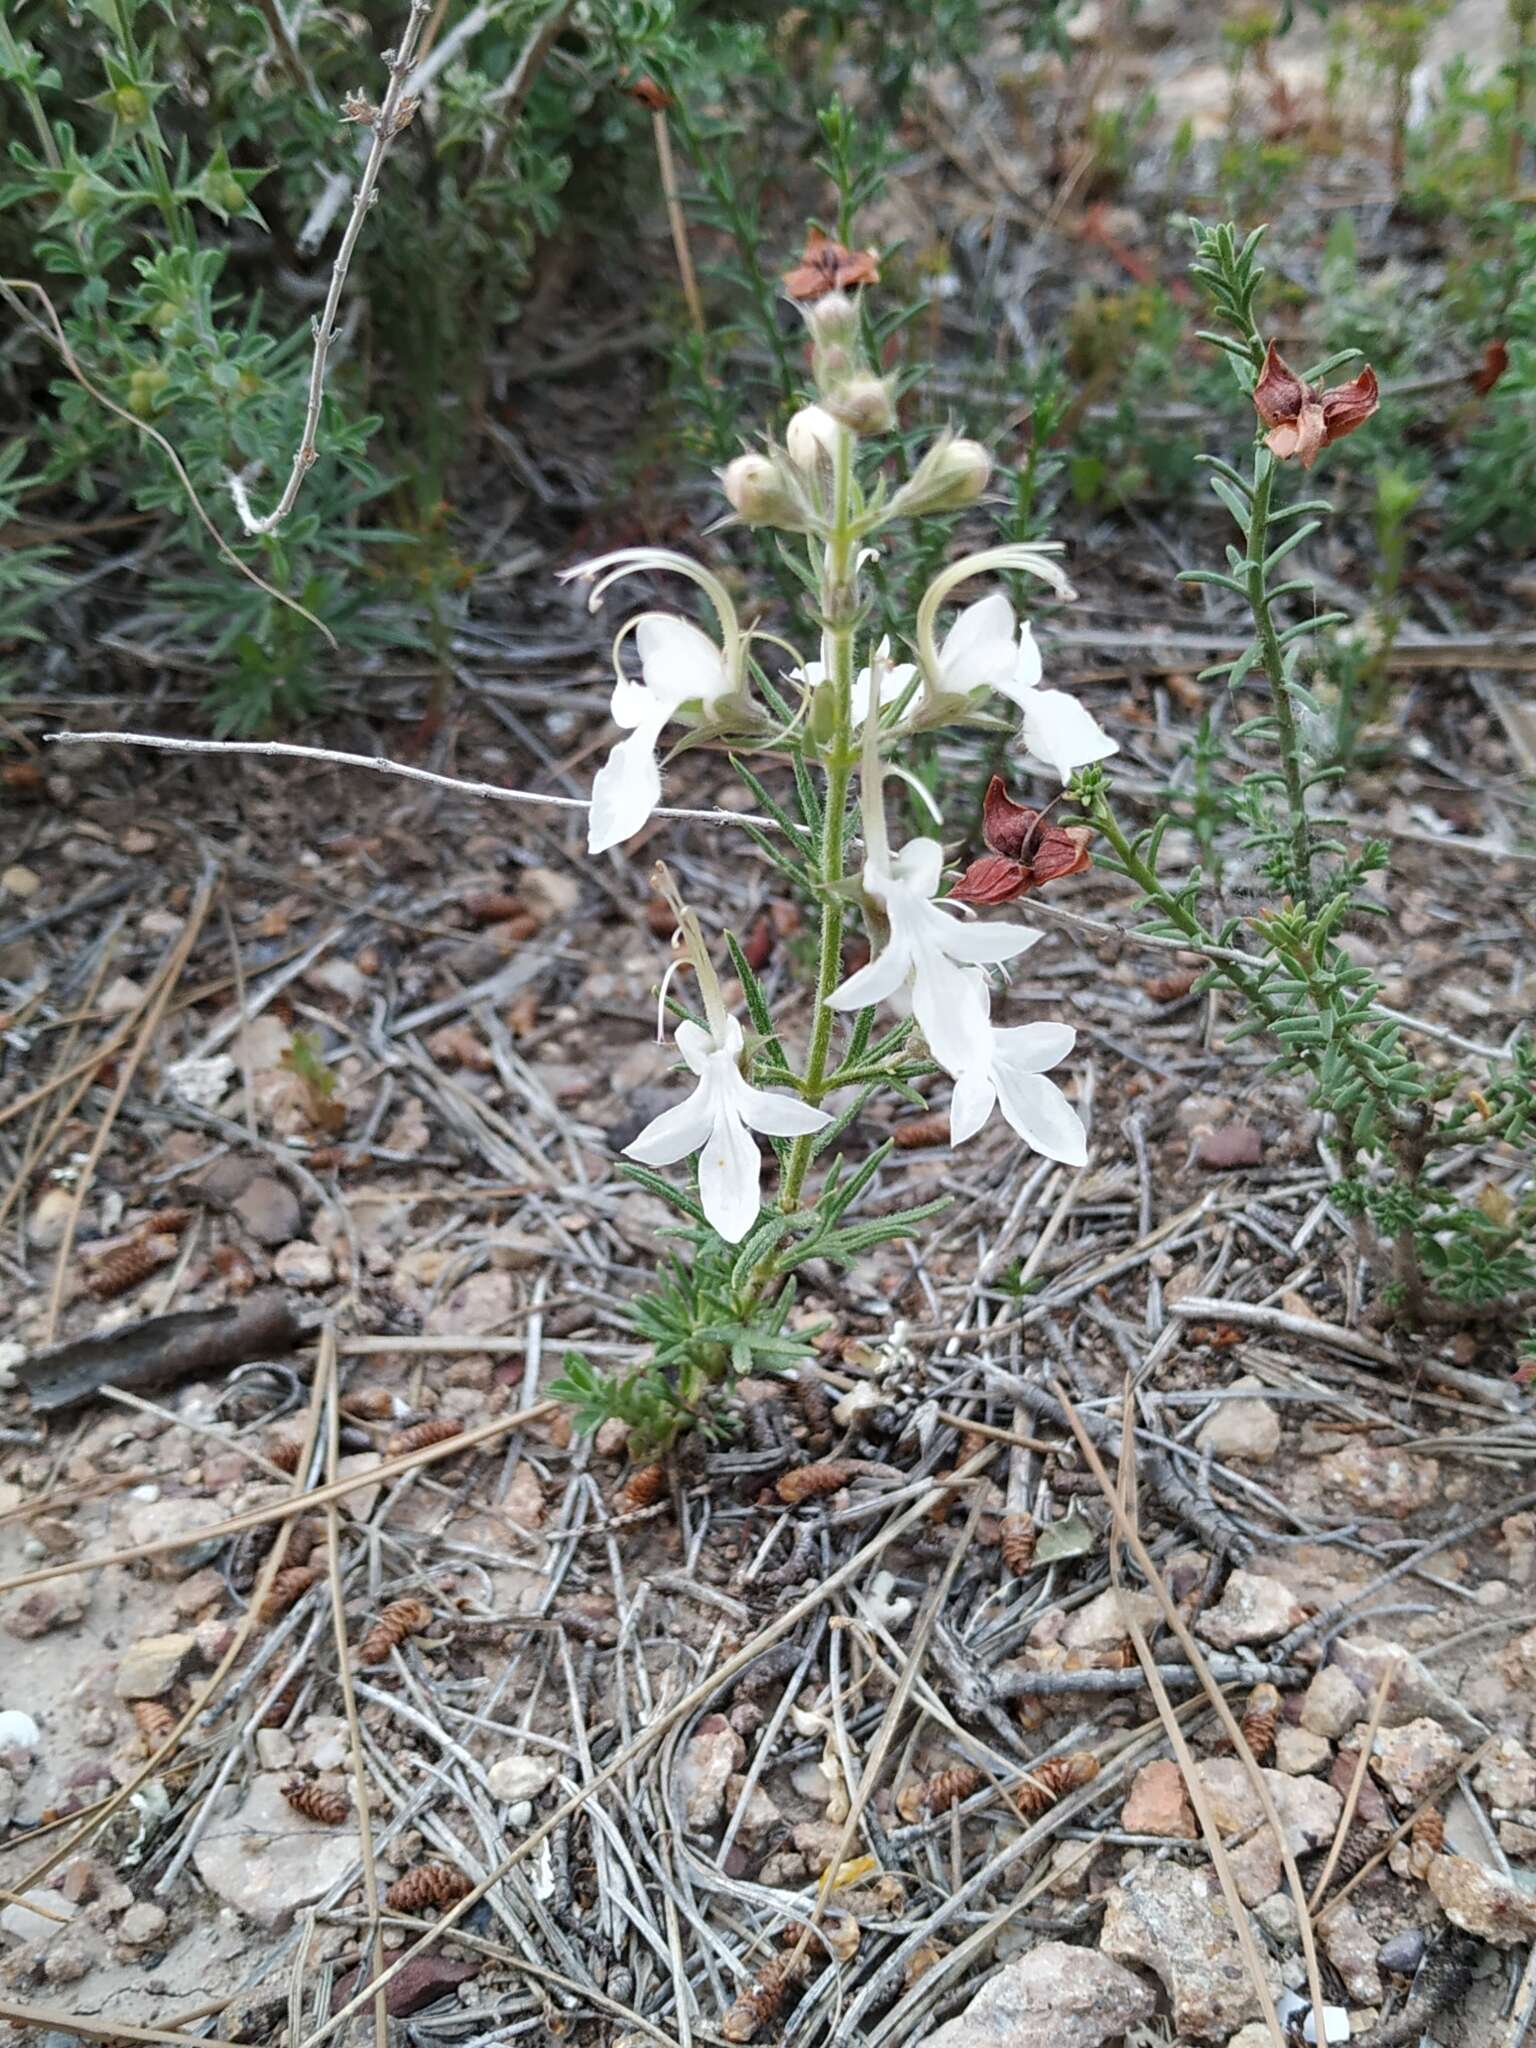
x=713, y=1754
x=549, y=893
x=1102, y=1621
x=1386, y=1482
x=1309, y=1810
x=1414, y=1690
x=1056, y=1996
x=152, y=1665
x=1175, y=1922
x=142, y=1924
x=1332, y=1703
x=20, y=1919
x=1158, y=1803
x=1412, y=1760
x=1279, y=1920
x=270, y=1211
x=1507, y=1775
x=20, y=882
x=266, y=1862
x=48, y=1219
x=18, y=1730
x=519, y=1777
x=302, y=1263
x=1404, y=1952
x=1298, y=1752
x=1242, y=1429
x=44, y=1609
x=1253, y=1609
x=1483, y=1903
x=274, y=1749
x=1351, y=1949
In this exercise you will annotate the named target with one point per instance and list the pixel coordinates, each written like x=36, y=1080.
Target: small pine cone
x=291, y=1583
x=1426, y=1841
x=280, y=1706
x=816, y=1408
x=420, y=1435
x=316, y=1802
x=764, y=1998
x=155, y=1721
x=429, y=1884
x=1053, y=1780
x=306, y=1533
x=948, y=1788
x=400, y=1619
x=369, y=1404
x=915, y=1132
x=247, y=1553
x=118, y=1271
x=1019, y=1539
x=810, y=1482
x=173, y=1221
x=285, y=1452
x=1360, y=1845
x=642, y=1489
x=972, y=1443
x=1260, y=1720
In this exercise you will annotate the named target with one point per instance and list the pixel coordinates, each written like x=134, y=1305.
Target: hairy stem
x=1279, y=680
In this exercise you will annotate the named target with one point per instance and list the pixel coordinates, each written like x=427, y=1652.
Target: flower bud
x=833, y=321
x=811, y=437
x=762, y=494
x=863, y=404
x=953, y=473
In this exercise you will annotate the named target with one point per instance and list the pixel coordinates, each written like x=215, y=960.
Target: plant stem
x=1279, y=679
x=840, y=612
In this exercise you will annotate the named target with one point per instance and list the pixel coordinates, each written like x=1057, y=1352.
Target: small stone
x=1279, y=1920
x=1159, y=1803
x=1383, y=1481
x=1404, y=1952
x=1518, y=1661
x=1412, y=1761
x=481, y=1305
x=1175, y=1922
x=270, y=1211
x=37, y=1915
x=120, y=998
x=713, y=1753
x=20, y=882
x=1103, y=1621
x=1253, y=1609
x=1478, y=1901
x=1333, y=1703
x=274, y=1749
x=1519, y=1533
x=1351, y=1949
x=340, y=978
x=1056, y=1996
x=785, y=1868
x=18, y=1730
x=1308, y=1809
x=151, y=1666
x=203, y=1590
x=519, y=1777
x=549, y=893
x=1242, y=1429
x=48, y=1219
x=1507, y=1775
x=266, y=1861
x=142, y=1924
x=760, y=1817
x=1298, y=1752
x=43, y=1610
x=1517, y=1840
x=818, y=1841
x=1414, y=1689
x=1258, y=1869
x=202, y=1084
x=302, y=1263
x=523, y=1501
x=612, y=1438
x=1233, y=1145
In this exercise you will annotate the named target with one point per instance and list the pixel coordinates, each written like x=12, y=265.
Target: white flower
x=683, y=674
x=893, y=681
x=929, y=945
x=1011, y=1074
x=717, y=1121
x=812, y=437
x=983, y=650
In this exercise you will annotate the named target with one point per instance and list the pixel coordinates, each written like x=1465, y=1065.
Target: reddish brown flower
x=1302, y=419
x=1495, y=362
x=826, y=266
x=649, y=94
x=1027, y=850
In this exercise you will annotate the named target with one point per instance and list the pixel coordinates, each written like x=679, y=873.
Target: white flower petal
x=978, y=650
x=675, y=1133
x=679, y=661
x=1028, y=669
x=1062, y=733
x=632, y=705
x=780, y=1116
x=1042, y=1116
x=973, y=1101
x=1034, y=1048
x=919, y=865
x=625, y=790
x=985, y=945
x=873, y=983
x=952, y=1006
x=730, y=1168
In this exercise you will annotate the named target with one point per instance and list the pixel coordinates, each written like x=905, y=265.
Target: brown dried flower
x=826, y=266
x=1302, y=420
x=1026, y=851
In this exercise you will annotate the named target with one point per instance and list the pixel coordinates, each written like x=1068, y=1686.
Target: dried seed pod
x=429, y=1884
x=281, y=1705
x=1018, y=1542
x=940, y=1792
x=118, y=1271
x=810, y=1482
x=316, y=1802
x=420, y=1435
x=284, y=1452
x=239, y=1274
x=306, y=1533
x=173, y=1220
x=642, y=1489
x=400, y=1619
x=1054, y=1779
x=291, y=1583
x=1108, y=1657
x=816, y=1409
x=764, y=1997
x=154, y=1721
x=1260, y=1720
x=369, y=1404
x=1426, y=1841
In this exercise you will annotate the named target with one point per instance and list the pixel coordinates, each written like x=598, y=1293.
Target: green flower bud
x=130, y=103
x=763, y=494
x=953, y=473
x=144, y=389
x=82, y=196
